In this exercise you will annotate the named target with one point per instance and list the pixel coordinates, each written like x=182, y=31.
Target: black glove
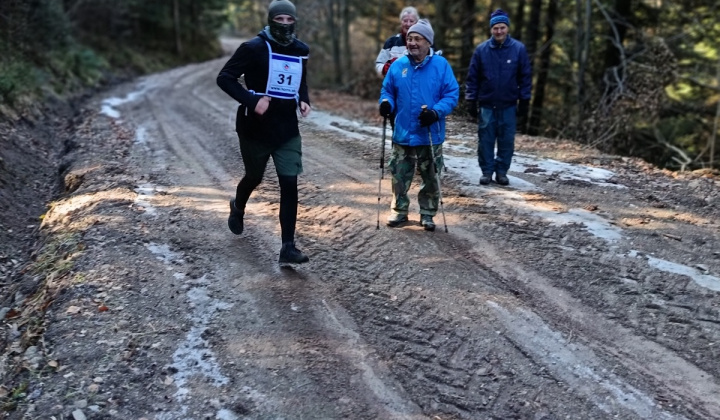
x=523, y=108
x=385, y=109
x=472, y=108
x=428, y=117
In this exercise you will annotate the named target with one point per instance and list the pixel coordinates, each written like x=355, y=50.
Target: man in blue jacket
x=499, y=82
x=274, y=64
x=419, y=78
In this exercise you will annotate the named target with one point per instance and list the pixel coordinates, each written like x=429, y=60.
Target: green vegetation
x=62, y=47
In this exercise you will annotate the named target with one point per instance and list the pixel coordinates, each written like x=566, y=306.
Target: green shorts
x=287, y=157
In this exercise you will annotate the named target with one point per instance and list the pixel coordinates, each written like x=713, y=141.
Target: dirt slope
x=561, y=296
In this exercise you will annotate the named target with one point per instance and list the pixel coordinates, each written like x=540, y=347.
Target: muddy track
x=507, y=315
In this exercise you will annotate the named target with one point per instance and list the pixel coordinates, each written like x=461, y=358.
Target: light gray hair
x=409, y=10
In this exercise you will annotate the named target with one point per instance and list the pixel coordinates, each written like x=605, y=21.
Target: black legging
x=288, y=201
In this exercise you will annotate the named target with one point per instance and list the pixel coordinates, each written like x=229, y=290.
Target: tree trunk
x=440, y=24
x=467, y=42
x=378, y=23
x=616, y=34
x=334, y=40
x=545, y=55
x=347, y=51
x=582, y=15
x=533, y=28
x=519, y=20
x=176, y=19
x=713, y=139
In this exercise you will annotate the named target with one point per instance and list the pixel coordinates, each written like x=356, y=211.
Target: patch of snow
x=141, y=135
x=564, y=170
x=194, y=356
x=163, y=253
x=144, y=193
x=109, y=104
x=225, y=414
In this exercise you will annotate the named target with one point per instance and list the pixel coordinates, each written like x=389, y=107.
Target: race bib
x=284, y=76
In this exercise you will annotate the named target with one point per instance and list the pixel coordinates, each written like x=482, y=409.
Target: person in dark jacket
x=418, y=92
x=499, y=83
x=274, y=65
x=395, y=46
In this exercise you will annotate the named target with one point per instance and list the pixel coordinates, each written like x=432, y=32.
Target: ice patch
x=704, y=280
x=563, y=170
x=141, y=135
x=330, y=122
x=144, y=193
x=226, y=415
x=109, y=104
x=164, y=254
x=194, y=356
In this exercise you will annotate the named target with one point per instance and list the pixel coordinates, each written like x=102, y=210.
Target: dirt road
x=587, y=289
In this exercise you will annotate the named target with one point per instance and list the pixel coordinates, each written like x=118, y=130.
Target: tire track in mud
x=427, y=303
x=416, y=356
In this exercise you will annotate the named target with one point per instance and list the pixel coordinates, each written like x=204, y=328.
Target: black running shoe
x=485, y=180
x=502, y=179
x=235, y=220
x=292, y=255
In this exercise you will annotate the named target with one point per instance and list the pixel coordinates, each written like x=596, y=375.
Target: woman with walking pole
x=419, y=78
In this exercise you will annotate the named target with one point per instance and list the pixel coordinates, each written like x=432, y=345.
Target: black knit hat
x=281, y=7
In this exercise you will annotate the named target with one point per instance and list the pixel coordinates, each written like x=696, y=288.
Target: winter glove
x=427, y=117
x=386, y=67
x=385, y=109
x=472, y=108
x=523, y=108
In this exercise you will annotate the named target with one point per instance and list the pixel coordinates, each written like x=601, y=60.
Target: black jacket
x=279, y=123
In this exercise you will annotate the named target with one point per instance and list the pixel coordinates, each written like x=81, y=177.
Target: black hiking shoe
x=485, y=180
x=502, y=179
x=397, y=219
x=290, y=254
x=235, y=220
x=426, y=221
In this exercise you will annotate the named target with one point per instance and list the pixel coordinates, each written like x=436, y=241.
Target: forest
x=631, y=77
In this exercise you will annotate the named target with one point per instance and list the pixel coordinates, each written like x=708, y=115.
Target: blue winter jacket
x=408, y=86
x=499, y=74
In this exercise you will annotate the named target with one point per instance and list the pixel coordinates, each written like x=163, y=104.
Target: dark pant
x=287, y=159
x=496, y=125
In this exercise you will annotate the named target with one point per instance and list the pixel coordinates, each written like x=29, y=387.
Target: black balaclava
x=281, y=32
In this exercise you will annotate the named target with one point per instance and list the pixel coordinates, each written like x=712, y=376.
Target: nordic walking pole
x=437, y=174
x=382, y=167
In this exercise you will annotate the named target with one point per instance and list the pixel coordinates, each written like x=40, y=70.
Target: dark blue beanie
x=499, y=16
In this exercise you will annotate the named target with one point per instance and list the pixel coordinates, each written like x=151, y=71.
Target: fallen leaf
x=73, y=310
x=103, y=308
x=53, y=364
x=12, y=313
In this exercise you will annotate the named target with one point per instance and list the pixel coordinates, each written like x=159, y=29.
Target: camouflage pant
x=403, y=162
